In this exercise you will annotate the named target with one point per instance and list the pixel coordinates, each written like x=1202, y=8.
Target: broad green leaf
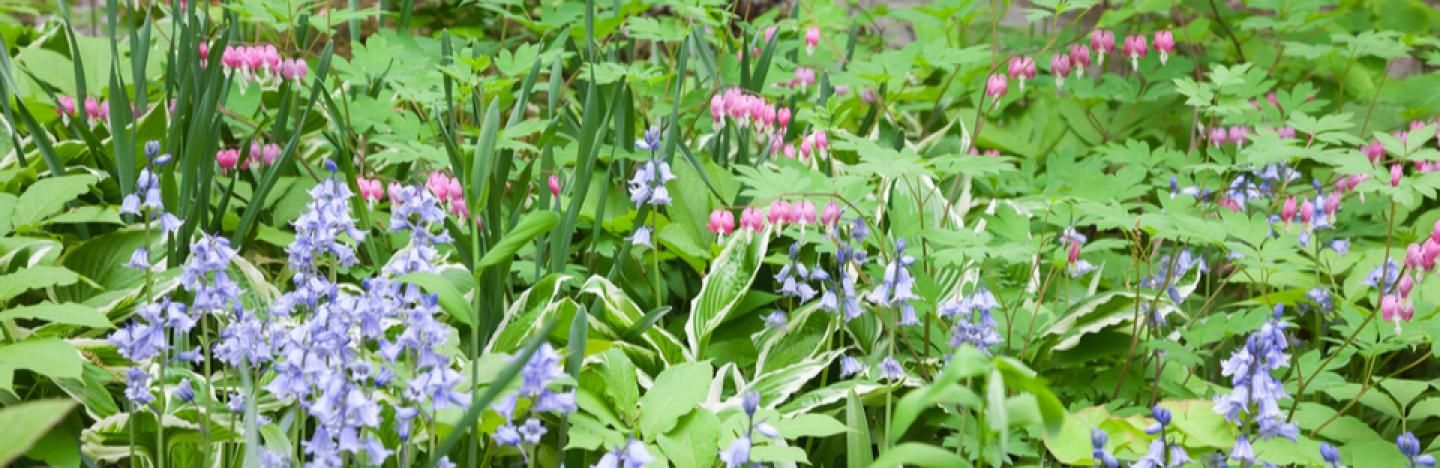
x=69, y=313
x=694, y=441
x=810, y=425
x=676, y=391
x=47, y=196
x=22, y=425
x=13, y=284
x=50, y=357
x=620, y=384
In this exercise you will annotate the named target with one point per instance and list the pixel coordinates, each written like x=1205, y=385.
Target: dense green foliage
x=696, y=233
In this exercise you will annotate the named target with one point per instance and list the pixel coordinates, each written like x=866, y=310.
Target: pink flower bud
x=269, y=153
x=458, y=208
x=831, y=215
x=1218, y=136
x=1238, y=134
x=1285, y=133
x=1074, y=253
x=1429, y=251
x=1307, y=212
x=812, y=39
x=789, y=151
x=1332, y=203
x=804, y=77
x=995, y=86
x=783, y=117
x=1395, y=173
x=554, y=184
x=456, y=192
x=1080, y=57
x=204, y=50
x=717, y=109
x=806, y=147
x=1165, y=44
x=1414, y=256
x=822, y=141
x=1287, y=212
x=1406, y=284
x=779, y=211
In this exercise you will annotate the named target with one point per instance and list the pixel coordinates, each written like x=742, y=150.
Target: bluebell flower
x=139, y=259
x=403, y=416
x=139, y=341
x=1340, y=246
x=647, y=186
x=1098, y=438
x=1162, y=419
x=750, y=403
x=896, y=288
x=507, y=435
x=1390, y=269
x=1080, y=268
x=137, y=387
x=444, y=462
x=1242, y=451
x=272, y=459
x=632, y=455
x=776, y=320
x=1331, y=455
x=850, y=366
x=183, y=391
x=737, y=454
x=1322, y=298
x=1256, y=391
x=891, y=369
x=641, y=237
x=532, y=431
x=1409, y=446
x=650, y=140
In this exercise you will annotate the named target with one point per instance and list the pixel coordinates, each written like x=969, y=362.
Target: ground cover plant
x=700, y=233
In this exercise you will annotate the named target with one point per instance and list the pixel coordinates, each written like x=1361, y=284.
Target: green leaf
x=530, y=227
x=695, y=440
x=69, y=312
x=724, y=286
x=450, y=298
x=46, y=356
x=858, y=452
x=13, y=284
x=810, y=425
x=918, y=454
x=676, y=391
x=620, y=384
x=87, y=214
x=22, y=425
x=47, y=196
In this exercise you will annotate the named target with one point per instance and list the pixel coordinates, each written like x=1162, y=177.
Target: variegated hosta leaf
x=834, y=393
x=776, y=386
x=620, y=313
x=1100, y=312
x=724, y=286
x=806, y=333
x=528, y=313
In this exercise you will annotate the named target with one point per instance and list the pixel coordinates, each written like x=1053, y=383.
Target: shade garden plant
x=700, y=233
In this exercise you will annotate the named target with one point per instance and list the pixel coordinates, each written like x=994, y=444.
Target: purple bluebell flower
x=1331, y=455
x=1098, y=438
x=737, y=454
x=648, y=184
x=750, y=402
x=850, y=366
x=776, y=320
x=532, y=431
x=632, y=455
x=1340, y=246
x=891, y=369
x=1242, y=451
x=896, y=288
x=137, y=387
x=1256, y=391
x=641, y=236
x=1390, y=269
x=183, y=391
x=139, y=259
x=1409, y=446
x=1322, y=298
x=507, y=435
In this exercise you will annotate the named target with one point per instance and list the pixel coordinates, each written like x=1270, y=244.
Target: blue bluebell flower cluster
x=974, y=324
x=737, y=454
x=1162, y=453
x=897, y=287
x=1255, y=391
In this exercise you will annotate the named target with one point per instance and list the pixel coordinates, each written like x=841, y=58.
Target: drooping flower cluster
x=1409, y=446
x=897, y=287
x=536, y=378
x=1255, y=391
x=974, y=325
x=448, y=189
x=262, y=64
x=96, y=111
x=261, y=154
x=1395, y=304
x=1071, y=241
x=631, y=455
x=1161, y=452
x=737, y=454
x=1098, y=438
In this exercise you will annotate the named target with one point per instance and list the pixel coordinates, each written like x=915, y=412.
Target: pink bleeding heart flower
x=831, y=215
x=1103, y=42
x=1395, y=173
x=458, y=208
x=228, y=159
x=270, y=153
x=1414, y=256
x=1307, y=212
x=439, y=185
x=783, y=117
x=456, y=191
x=1407, y=283
x=370, y=189
x=1238, y=134
x=1429, y=251
x=1332, y=203
x=806, y=212
x=554, y=184
x=721, y=222
x=751, y=218
x=1080, y=58
x=1022, y=68
x=1218, y=136
x=1287, y=212
x=393, y=190
x=1073, y=253
x=1135, y=47
x=812, y=40
x=1060, y=67
x=996, y=86
x=717, y=110
x=1164, y=44
x=1373, y=150
x=65, y=106
x=779, y=212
